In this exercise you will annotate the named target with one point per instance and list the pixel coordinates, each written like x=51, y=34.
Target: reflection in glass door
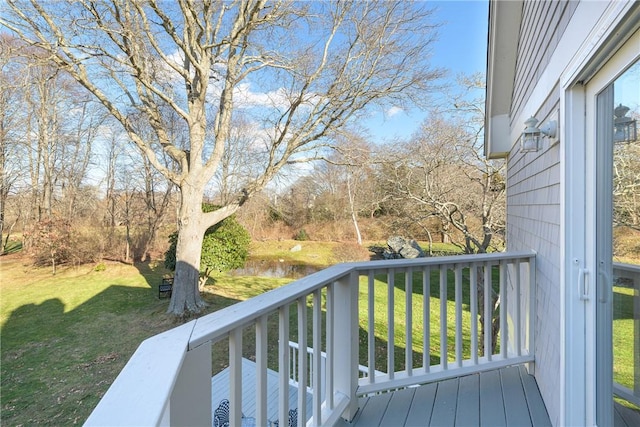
x=618, y=248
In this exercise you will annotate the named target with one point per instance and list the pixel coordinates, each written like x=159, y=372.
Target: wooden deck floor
x=625, y=417
x=504, y=397
x=220, y=391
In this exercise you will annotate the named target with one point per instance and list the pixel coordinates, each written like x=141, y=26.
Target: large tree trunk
x=185, y=298
x=491, y=325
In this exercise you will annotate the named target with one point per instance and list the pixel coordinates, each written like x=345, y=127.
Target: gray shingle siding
x=533, y=189
x=543, y=23
x=533, y=222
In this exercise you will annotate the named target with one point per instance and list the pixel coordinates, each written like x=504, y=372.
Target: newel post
x=345, y=373
x=191, y=397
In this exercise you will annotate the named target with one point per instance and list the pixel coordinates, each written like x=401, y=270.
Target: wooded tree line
x=68, y=183
x=77, y=190
x=198, y=67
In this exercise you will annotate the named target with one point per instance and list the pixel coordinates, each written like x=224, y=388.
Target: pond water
x=274, y=268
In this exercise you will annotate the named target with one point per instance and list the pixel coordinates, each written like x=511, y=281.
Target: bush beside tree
x=225, y=247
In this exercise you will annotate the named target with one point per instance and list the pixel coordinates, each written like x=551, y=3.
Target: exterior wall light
x=625, y=129
x=531, y=135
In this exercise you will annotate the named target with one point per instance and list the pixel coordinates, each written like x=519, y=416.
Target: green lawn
x=623, y=336
x=381, y=320
x=65, y=337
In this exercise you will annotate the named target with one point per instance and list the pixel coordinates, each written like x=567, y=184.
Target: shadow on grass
x=152, y=273
x=623, y=305
x=57, y=364
x=399, y=352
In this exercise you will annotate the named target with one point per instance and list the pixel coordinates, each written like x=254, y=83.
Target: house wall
x=533, y=188
x=561, y=45
x=543, y=25
x=533, y=222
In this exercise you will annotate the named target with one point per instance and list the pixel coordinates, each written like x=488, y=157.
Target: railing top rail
x=635, y=268
x=215, y=326
x=440, y=260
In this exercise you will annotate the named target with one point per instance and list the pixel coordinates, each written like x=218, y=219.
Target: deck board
x=372, y=409
x=444, y=407
x=472, y=400
x=422, y=405
x=468, y=409
x=625, y=417
x=537, y=410
x=399, y=405
x=491, y=401
x=515, y=403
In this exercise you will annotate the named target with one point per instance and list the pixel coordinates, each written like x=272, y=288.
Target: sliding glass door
x=617, y=227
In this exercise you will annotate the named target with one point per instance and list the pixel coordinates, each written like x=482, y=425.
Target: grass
x=623, y=336
x=381, y=320
x=320, y=254
x=64, y=338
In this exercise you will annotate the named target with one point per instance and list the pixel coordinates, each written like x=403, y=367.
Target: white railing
x=631, y=273
x=294, y=372
x=168, y=379
x=451, y=330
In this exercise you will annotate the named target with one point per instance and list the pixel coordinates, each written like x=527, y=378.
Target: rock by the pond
x=296, y=248
x=400, y=247
x=396, y=243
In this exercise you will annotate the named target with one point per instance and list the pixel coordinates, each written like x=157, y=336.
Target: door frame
x=603, y=57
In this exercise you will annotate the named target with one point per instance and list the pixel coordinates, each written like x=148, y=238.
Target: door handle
x=606, y=278
x=583, y=284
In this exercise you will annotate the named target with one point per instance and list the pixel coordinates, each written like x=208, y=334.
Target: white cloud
x=246, y=97
x=393, y=111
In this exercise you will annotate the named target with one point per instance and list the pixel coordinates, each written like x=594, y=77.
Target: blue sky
x=461, y=48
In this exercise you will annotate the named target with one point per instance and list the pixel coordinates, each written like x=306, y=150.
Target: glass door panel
x=626, y=237
x=618, y=246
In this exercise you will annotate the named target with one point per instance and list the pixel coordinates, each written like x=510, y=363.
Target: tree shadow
x=381, y=347
x=152, y=273
x=63, y=361
x=623, y=304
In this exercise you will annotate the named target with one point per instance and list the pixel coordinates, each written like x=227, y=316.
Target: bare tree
x=10, y=122
x=626, y=184
x=241, y=161
x=79, y=131
x=43, y=97
x=351, y=166
x=442, y=173
x=339, y=58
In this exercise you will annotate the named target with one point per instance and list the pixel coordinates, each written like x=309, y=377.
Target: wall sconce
x=531, y=135
x=624, y=127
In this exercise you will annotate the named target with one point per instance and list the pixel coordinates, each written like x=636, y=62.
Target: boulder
x=400, y=247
